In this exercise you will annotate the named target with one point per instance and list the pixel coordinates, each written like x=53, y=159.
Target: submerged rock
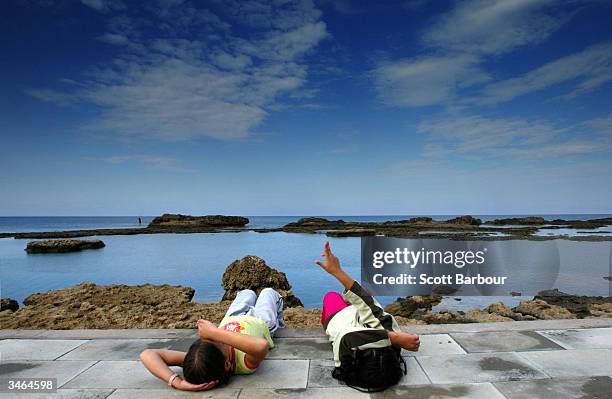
x=252, y=272
x=173, y=221
x=55, y=246
x=8, y=304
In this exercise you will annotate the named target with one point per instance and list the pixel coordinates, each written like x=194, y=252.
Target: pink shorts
x=332, y=303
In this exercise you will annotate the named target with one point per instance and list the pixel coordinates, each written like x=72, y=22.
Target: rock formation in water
x=56, y=246
x=466, y=219
x=351, y=233
x=174, y=221
x=252, y=272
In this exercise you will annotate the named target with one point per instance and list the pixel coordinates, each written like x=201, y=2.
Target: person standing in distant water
x=139, y=220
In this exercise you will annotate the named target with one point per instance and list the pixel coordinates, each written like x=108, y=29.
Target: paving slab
x=36, y=349
x=135, y=333
x=472, y=391
x=436, y=344
x=217, y=393
x=595, y=338
x=504, y=341
x=575, y=388
x=478, y=367
x=275, y=374
x=301, y=348
x=320, y=376
x=308, y=393
x=300, y=332
x=510, y=326
x=572, y=363
x=117, y=374
x=114, y=349
x=62, y=394
x=63, y=371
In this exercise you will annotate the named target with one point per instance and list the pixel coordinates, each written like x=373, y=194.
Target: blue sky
x=111, y=107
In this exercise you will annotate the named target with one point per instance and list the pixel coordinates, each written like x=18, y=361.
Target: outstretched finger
x=318, y=262
x=326, y=249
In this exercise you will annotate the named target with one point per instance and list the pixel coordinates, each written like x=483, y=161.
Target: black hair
x=204, y=362
x=372, y=370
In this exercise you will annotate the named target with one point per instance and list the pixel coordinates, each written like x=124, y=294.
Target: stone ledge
x=310, y=332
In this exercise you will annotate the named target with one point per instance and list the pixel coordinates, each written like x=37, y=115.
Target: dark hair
x=204, y=362
x=372, y=370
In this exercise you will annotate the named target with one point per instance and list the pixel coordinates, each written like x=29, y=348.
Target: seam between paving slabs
x=452, y=335
x=76, y=347
x=93, y=364
x=564, y=346
x=308, y=374
x=416, y=358
x=535, y=366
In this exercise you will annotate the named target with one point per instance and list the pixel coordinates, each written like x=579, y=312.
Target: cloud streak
x=586, y=70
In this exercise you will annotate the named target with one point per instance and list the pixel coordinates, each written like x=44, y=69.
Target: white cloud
x=160, y=162
x=494, y=26
x=180, y=85
x=586, y=70
x=481, y=137
x=426, y=80
x=114, y=38
x=104, y=5
x=461, y=40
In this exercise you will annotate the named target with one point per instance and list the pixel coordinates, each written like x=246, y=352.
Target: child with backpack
x=366, y=341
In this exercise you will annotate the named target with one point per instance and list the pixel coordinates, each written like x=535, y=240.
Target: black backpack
x=372, y=370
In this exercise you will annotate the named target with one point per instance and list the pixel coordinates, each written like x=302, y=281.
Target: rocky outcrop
x=8, y=304
x=351, y=233
x=467, y=219
x=420, y=219
x=252, y=272
x=56, y=246
x=88, y=305
x=543, y=311
x=525, y=221
x=413, y=306
x=174, y=221
x=581, y=306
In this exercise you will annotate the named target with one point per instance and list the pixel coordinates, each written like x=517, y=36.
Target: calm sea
x=198, y=260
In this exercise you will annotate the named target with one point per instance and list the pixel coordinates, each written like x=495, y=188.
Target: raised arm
x=158, y=362
x=332, y=266
x=256, y=348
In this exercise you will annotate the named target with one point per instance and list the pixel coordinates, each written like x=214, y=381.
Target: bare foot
x=407, y=341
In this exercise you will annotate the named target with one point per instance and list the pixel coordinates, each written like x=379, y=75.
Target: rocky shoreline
x=88, y=305
x=461, y=228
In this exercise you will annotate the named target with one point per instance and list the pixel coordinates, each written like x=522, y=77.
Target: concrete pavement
x=561, y=358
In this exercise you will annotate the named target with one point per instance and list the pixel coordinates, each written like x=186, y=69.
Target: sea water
x=199, y=260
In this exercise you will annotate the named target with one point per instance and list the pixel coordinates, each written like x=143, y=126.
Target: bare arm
x=158, y=362
x=256, y=348
x=404, y=340
x=332, y=266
